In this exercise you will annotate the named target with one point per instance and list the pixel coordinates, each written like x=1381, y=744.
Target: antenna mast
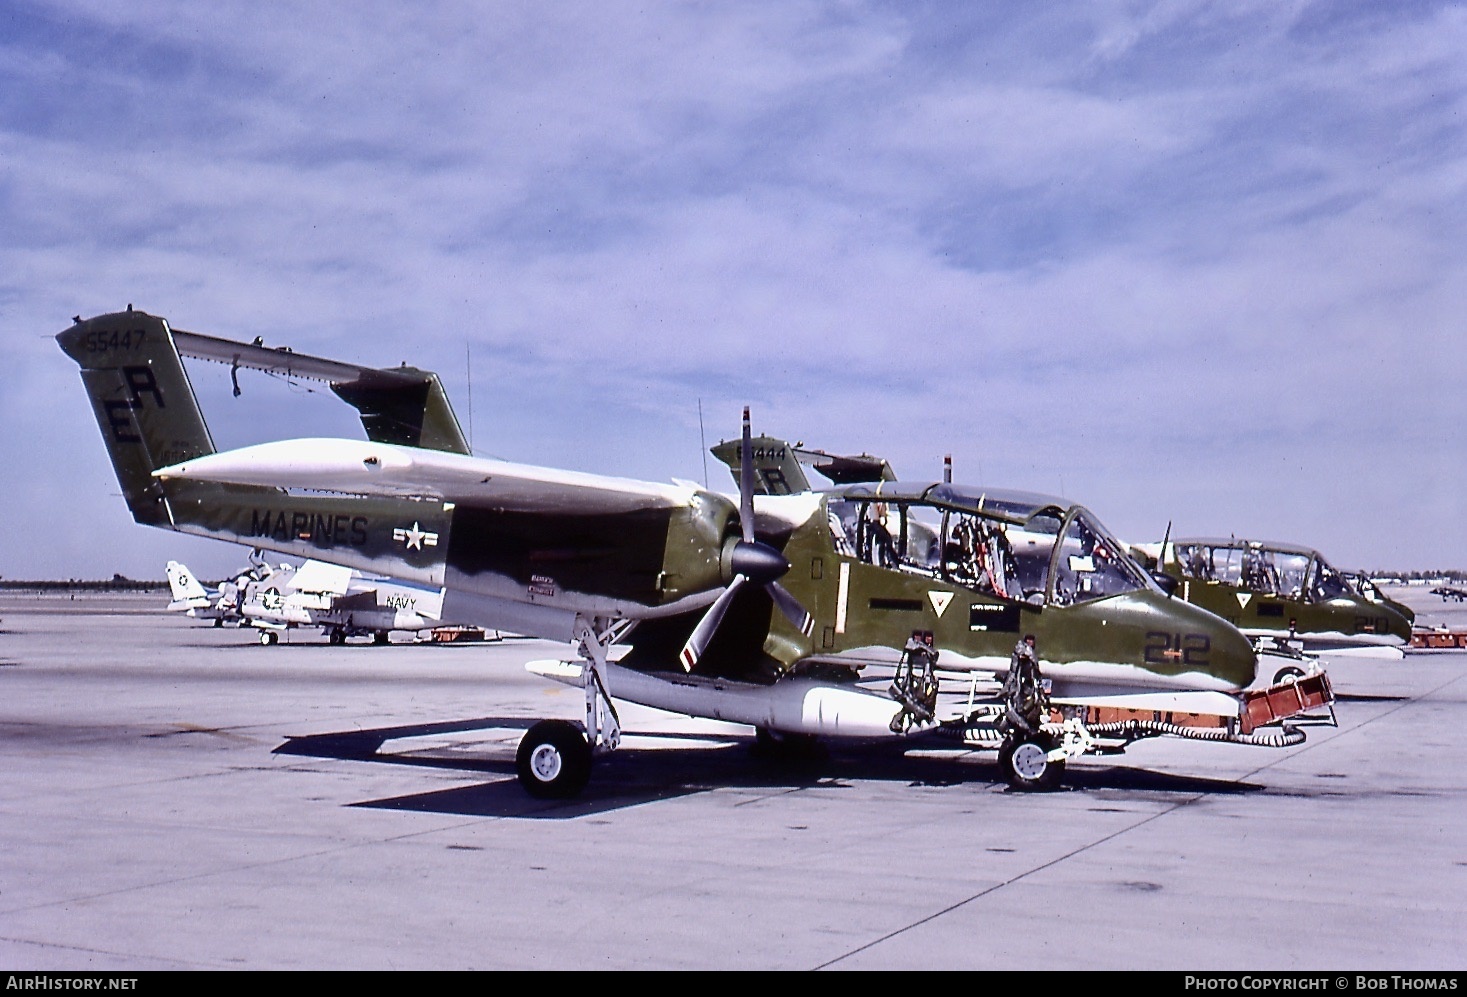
x=704, y=441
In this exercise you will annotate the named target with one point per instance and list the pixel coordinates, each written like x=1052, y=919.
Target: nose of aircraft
x=1397, y=623
x=1229, y=654
x=1183, y=638
x=1173, y=639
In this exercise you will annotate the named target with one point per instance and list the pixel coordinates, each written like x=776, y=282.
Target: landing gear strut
x=554, y=756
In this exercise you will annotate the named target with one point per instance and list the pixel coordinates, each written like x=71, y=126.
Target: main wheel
x=269, y=637
x=1024, y=761
x=381, y=637
x=1287, y=674
x=337, y=637
x=553, y=760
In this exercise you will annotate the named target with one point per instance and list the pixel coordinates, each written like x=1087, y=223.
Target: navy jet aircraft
x=758, y=610
x=220, y=603
x=342, y=602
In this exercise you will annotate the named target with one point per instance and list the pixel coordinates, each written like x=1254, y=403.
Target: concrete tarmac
x=179, y=797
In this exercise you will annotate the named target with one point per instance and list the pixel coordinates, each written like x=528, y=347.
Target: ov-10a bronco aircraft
x=757, y=611
x=1282, y=593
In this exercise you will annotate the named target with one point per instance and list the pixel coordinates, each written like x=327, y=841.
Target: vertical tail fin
x=416, y=414
x=143, y=402
x=183, y=585
x=779, y=467
x=187, y=591
x=776, y=471
x=402, y=405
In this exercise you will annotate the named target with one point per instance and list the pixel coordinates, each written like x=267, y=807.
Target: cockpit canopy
x=1012, y=545
x=1277, y=569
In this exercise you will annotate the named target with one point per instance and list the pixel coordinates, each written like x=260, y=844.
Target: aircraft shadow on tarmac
x=632, y=775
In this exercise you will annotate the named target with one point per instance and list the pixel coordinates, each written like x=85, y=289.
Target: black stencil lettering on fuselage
x=899, y=605
x=1271, y=609
x=987, y=618
x=339, y=530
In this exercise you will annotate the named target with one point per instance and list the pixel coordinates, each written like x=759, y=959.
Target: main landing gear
x=553, y=761
x=1031, y=762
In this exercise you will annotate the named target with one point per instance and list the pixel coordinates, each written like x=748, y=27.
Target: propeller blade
x=698, y=640
x=746, y=484
x=790, y=607
x=749, y=560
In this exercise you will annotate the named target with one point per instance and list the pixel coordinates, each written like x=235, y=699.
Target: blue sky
x=1182, y=262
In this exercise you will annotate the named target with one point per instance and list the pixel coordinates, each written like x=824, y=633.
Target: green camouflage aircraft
x=1284, y=594
x=779, y=466
x=1366, y=586
x=765, y=610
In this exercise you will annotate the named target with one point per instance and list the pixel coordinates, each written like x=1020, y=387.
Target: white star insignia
x=416, y=538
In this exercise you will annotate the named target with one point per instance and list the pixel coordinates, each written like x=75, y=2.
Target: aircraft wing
x=359, y=467
x=318, y=576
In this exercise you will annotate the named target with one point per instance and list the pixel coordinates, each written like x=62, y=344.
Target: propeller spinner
x=748, y=560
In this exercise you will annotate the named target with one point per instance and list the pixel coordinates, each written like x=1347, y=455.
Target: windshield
x=987, y=554
x=1330, y=583
x=1207, y=563
x=1292, y=570
x=1092, y=565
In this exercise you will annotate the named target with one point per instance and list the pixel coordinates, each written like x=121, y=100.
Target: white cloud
x=1153, y=255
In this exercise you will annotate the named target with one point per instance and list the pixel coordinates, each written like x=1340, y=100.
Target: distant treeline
x=1421, y=576
x=117, y=584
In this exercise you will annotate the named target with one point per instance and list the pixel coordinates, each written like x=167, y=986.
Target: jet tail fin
x=187, y=591
x=143, y=402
